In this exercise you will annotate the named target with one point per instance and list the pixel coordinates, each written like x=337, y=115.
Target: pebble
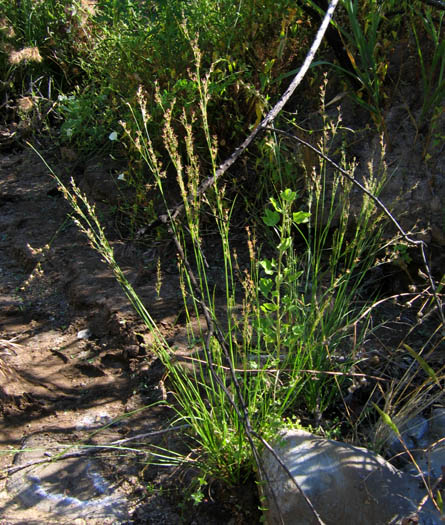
x=84, y=334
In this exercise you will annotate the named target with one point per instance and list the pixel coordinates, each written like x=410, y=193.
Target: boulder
x=347, y=485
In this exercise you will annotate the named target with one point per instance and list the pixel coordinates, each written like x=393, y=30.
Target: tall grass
x=299, y=318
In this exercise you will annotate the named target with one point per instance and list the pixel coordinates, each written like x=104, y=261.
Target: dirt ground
x=75, y=358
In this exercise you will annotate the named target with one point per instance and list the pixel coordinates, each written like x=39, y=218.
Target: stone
x=437, y=423
x=84, y=334
x=347, y=485
x=414, y=433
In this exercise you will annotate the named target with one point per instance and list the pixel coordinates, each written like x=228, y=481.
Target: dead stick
x=87, y=451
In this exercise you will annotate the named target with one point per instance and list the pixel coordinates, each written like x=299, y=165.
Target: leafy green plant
x=365, y=46
x=314, y=297
x=120, y=46
x=431, y=57
x=88, y=117
x=276, y=356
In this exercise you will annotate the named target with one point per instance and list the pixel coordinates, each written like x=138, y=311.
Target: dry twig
x=88, y=451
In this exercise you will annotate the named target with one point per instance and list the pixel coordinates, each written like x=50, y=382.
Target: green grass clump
x=291, y=323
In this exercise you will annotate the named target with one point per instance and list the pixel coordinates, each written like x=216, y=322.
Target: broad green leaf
x=300, y=217
x=266, y=286
x=270, y=217
x=290, y=276
x=297, y=330
x=268, y=266
x=269, y=307
x=288, y=195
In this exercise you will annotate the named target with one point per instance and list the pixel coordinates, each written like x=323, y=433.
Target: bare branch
x=88, y=451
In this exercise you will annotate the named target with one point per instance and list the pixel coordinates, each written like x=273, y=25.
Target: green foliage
x=151, y=47
x=88, y=117
x=308, y=302
x=369, y=62
x=275, y=356
x=122, y=45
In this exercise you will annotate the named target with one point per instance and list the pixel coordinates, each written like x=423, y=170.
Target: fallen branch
x=273, y=370
x=88, y=451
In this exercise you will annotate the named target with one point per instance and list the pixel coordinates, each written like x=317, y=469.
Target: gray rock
x=414, y=433
x=84, y=334
x=437, y=423
x=347, y=485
